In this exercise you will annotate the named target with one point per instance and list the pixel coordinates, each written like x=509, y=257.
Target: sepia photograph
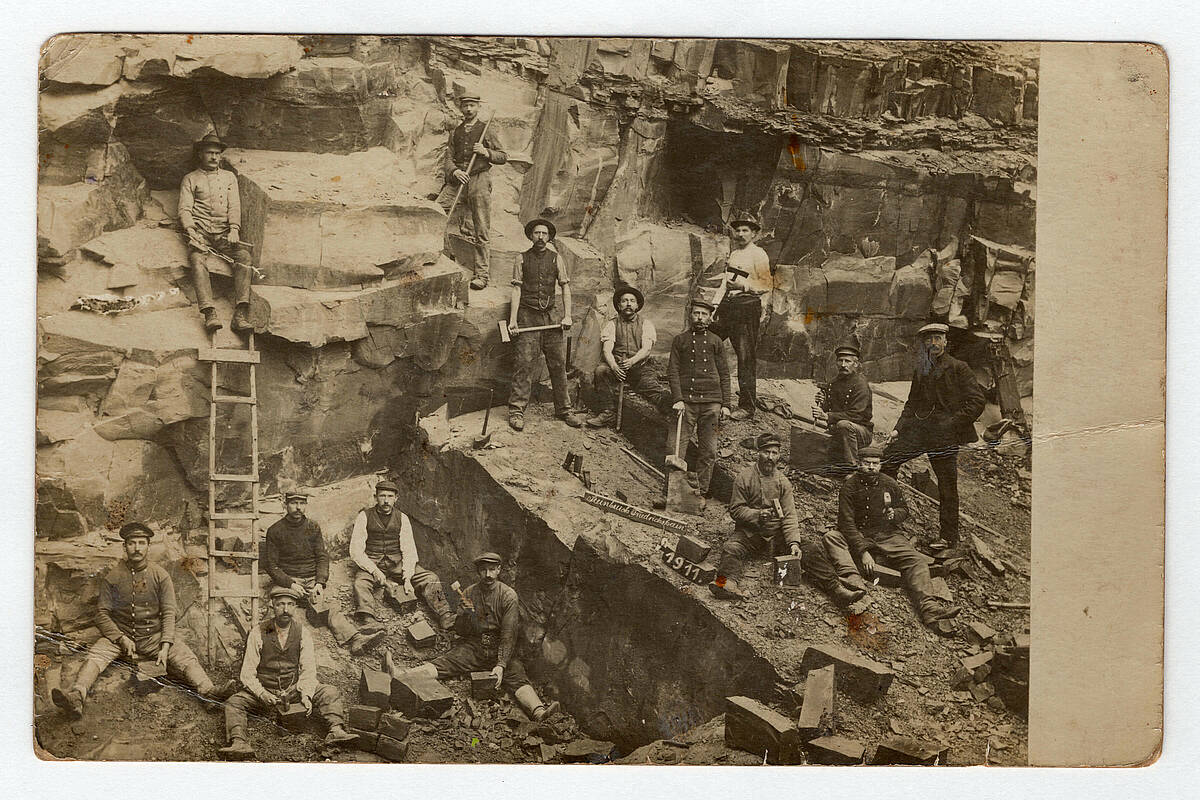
x=535, y=400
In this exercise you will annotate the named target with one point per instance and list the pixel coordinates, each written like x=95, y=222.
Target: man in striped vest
x=625, y=343
x=279, y=668
x=383, y=550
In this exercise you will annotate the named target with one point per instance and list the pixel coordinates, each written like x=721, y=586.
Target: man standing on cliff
x=487, y=625
x=740, y=312
x=136, y=618
x=210, y=211
x=625, y=345
x=467, y=140
x=294, y=555
x=845, y=410
x=383, y=550
x=939, y=416
x=540, y=270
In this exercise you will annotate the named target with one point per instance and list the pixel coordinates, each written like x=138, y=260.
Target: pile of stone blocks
x=997, y=672
x=386, y=707
x=810, y=735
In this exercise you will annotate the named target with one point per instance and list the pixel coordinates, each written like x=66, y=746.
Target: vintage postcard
x=634, y=401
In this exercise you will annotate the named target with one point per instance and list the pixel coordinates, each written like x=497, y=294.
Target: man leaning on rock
x=210, y=211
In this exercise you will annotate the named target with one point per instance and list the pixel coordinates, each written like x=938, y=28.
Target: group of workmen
x=136, y=615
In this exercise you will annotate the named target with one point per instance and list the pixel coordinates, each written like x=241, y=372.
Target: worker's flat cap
x=702, y=302
x=462, y=98
x=132, y=529
x=769, y=440
x=284, y=591
x=847, y=349
x=934, y=327
x=386, y=486
x=488, y=558
x=870, y=451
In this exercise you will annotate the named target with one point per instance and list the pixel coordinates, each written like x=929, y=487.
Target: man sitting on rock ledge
x=210, y=211
x=487, y=625
x=625, y=344
x=294, y=555
x=845, y=410
x=534, y=278
x=383, y=549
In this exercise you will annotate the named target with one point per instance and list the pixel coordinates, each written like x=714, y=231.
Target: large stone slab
x=316, y=317
x=330, y=221
x=658, y=258
x=754, y=728
x=68, y=216
x=73, y=131
x=756, y=69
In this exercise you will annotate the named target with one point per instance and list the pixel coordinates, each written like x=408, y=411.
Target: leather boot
x=70, y=701
x=339, y=735
x=726, y=590
x=362, y=642
x=241, y=318
x=435, y=598
x=211, y=323
x=238, y=748
x=603, y=419
x=843, y=597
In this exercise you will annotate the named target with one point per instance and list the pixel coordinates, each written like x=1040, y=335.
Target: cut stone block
x=835, y=751
x=816, y=713
x=374, y=688
x=888, y=576
x=293, y=717
x=394, y=725
x=587, y=751
x=692, y=548
x=421, y=634
x=420, y=697
x=980, y=665
x=392, y=749
x=483, y=686
x=907, y=750
x=857, y=676
x=405, y=601
x=1014, y=692
x=364, y=718
x=788, y=570
x=754, y=728
x=367, y=740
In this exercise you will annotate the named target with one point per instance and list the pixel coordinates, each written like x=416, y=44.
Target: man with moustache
x=467, y=140
x=280, y=664
x=210, y=211
x=740, y=313
x=871, y=508
x=136, y=618
x=294, y=555
x=534, y=279
x=699, y=378
x=625, y=344
x=385, y=554
x=487, y=625
x=939, y=416
x=845, y=410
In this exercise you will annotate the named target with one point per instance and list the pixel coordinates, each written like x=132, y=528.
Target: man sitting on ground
x=625, y=344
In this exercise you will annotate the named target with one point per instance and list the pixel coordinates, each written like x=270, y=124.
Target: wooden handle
x=678, y=432
x=470, y=164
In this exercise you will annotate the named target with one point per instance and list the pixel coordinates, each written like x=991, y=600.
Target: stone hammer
x=506, y=333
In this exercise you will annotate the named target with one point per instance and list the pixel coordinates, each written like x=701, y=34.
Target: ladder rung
x=227, y=355
x=234, y=398
x=230, y=593
x=233, y=515
x=229, y=476
x=232, y=554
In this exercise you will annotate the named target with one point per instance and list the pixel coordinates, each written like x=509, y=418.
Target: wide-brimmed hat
x=934, y=327
x=533, y=223
x=621, y=291
x=209, y=140
x=745, y=218
x=132, y=529
x=488, y=558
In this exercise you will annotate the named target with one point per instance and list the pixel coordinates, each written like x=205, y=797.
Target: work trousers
x=368, y=592
x=702, y=418
x=738, y=321
x=845, y=437
x=201, y=279
x=327, y=701
x=893, y=549
x=473, y=216
x=643, y=377
x=551, y=344
x=181, y=662
x=745, y=544
x=470, y=655
x=326, y=615
x=817, y=567
x=943, y=457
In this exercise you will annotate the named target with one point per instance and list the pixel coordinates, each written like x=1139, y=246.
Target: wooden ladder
x=250, y=357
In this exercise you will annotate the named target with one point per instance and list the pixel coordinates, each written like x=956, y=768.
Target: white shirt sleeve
x=249, y=674
x=307, y=682
x=609, y=332
x=408, y=547
x=358, y=545
x=649, y=335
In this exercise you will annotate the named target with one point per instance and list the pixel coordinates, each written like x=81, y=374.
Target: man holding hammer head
x=740, y=310
x=470, y=154
x=534, y=280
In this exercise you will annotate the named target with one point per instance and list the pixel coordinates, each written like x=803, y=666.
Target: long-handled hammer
x=506, y=333
x=484, y=437
x=620, y=404
x=673, y=459
x=470, y=164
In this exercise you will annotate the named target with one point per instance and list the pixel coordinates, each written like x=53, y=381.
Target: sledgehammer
x=507, y=333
